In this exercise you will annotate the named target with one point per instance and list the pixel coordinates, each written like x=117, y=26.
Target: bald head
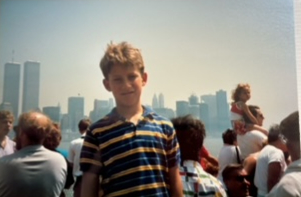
x=34, y=126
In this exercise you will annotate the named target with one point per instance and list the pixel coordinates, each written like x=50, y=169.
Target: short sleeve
x=173, y=150
x=276, y=156
x=90, y=160
x=204, y=153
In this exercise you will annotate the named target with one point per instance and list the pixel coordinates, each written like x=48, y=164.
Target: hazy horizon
x=188, y=47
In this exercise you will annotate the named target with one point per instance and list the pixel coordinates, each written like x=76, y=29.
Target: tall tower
x=75, y=111
x=161, y=100
x=155, y=103
x=31, y=86
x=11, y=89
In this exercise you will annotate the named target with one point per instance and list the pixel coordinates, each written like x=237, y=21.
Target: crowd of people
x=133, y=151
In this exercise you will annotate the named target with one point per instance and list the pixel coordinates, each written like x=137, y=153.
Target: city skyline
x=189, y=47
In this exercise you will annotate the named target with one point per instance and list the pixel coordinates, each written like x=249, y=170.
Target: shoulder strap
x=237, y=155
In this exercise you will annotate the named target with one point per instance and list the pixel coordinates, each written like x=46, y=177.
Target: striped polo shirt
x=133, y=160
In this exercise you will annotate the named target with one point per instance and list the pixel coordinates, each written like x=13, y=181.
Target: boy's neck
x=132, y=114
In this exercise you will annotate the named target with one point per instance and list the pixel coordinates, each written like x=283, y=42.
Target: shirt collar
x=147, y=113
x=191, y=163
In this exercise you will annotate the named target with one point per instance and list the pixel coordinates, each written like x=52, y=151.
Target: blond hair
x=122, y=54
x=4, y=115
x=237, y=91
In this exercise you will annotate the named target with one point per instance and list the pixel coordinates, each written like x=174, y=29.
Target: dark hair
x=190, y=133
x=229, y=170
x=290, y=127
x=229, y=136
x=274, y=133
x=84, y=124
x=253, y=109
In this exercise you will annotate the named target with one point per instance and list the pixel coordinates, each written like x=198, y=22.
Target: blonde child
x=240, y=96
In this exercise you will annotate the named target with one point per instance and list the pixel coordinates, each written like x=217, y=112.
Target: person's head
x=6, y=122
x=53, y=138
x=190, y=133
x=235, y=179
x=276, y=138
x=256, y=112
x=290, y=129
x=32, y=129
x=123, y=69
x=229, y=137
x=83, y=125
x=242, y=92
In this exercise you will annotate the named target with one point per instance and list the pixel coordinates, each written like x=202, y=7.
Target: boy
x=7, y=146
x=132, y=149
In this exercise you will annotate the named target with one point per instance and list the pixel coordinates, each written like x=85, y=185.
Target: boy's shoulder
x=155, y=118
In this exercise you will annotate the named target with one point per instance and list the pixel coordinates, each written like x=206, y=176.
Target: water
x=213, y=144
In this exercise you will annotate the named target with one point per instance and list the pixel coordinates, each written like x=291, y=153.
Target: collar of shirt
x=147, y=114
x=191, y=163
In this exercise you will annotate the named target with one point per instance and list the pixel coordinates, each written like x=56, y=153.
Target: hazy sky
x=188, y=47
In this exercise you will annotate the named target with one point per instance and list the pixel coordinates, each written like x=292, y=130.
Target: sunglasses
x=241, y=178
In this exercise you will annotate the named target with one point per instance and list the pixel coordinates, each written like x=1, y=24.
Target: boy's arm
x=90, y=183
x=176, y=187
x=90, y=164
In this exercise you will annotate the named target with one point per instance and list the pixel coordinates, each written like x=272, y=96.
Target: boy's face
x=6, y=125
x=126, y=85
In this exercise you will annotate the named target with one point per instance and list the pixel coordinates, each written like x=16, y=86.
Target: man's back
x=32, y=171
x=289, y=185
x=250, y=142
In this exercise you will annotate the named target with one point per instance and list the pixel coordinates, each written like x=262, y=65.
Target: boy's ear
x=144, y=78
x=106, y=84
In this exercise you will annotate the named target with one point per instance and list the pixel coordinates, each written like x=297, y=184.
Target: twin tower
x=12, y=87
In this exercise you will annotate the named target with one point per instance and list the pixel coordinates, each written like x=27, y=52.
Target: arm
x=176, y=187
x=246, y=110
x=90, y=183
x=71, y=154
x=274, y=174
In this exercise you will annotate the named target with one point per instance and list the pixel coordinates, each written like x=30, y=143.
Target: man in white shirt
x=253, y=140
x=33, y=170
x=74, y=155
x=289, y=185
x=270, y=163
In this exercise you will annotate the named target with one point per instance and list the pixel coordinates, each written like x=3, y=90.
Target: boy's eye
x=133, y=77
x=117, y=79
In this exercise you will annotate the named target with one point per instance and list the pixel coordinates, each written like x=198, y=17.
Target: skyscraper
x=193, y=100
x=53, y=112
x=161, y=100
x=31, y=86
x=155, y=103
x=223, y=115
x=75, y=111
x=182, y=108
x=11, y=89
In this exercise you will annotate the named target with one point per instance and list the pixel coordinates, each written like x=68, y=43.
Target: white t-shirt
x=266, y=156
x=226, y=156
x=250, y=142
x=74, y=154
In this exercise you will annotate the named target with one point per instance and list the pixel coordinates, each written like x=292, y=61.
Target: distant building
x=31, y=86
x=65, y=123
x=75, y=111
x=223, y=114
x=210, y=100
x=194, y=110
x=54, y=113
x=182, y=108
x=155, y=103
x=193, y=100
x=161, y=100
x=204, y=115
x=7, y=107
x=11, y=87
x=165, y=112
x=101, y=109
